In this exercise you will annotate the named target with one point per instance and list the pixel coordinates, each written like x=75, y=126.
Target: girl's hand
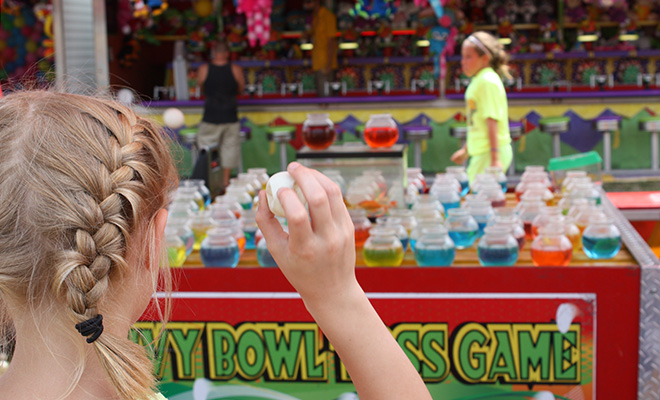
x=460, y=156
x=317, y=256
x=496, y=163
x=318, y=259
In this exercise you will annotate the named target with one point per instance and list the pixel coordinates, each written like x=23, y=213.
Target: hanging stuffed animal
x=373, y=10
x=151, y=7
x=442, y=41
x=257, y=13
x=44, y=13
x=157, y=6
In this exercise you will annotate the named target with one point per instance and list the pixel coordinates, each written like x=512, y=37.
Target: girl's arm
x=318, y=259
x=492, y=138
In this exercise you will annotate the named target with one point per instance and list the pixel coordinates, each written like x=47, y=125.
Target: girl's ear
x=160, y=220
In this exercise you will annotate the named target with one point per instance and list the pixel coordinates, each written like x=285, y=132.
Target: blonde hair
x=499, y=58
x=82, y=181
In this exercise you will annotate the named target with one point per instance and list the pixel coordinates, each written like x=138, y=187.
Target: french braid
x=96, y=176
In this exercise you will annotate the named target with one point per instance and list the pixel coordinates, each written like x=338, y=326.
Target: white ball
x=544, y=395
x=275, y=183
x=173, y=118
x=125, y=96
x=566, y=313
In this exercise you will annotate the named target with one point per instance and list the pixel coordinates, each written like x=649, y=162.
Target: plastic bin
x=589, y=162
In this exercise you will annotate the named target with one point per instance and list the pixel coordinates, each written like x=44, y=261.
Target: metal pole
x=512, y=167
x=418, y=154
x=607, y=151
x=283, y=156
x=556, y=145
x=654, y=151
x=101, y=45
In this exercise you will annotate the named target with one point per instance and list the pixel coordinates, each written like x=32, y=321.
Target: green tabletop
x=554, y=120
x=281, y=128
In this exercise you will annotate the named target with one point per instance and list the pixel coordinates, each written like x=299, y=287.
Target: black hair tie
x=93, y=327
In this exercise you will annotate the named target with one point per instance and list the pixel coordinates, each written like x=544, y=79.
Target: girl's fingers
x=275, y=236
x=336, y=200
x=315, y=194
x=300, y=229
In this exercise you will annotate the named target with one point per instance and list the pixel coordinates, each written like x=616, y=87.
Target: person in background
x=221, y=82
x=488, y=139
x=83, y=192
x=324, y=39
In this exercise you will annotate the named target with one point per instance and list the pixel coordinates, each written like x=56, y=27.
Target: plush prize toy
x=442, y=43
x=44, y=13
x=258, y=19
x=528, y=11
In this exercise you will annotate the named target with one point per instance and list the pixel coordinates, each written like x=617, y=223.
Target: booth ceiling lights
x=423, y=43
x=629, y=37
x=587, y=38
x=504, y=40
x=348, y=46
x=306, y=46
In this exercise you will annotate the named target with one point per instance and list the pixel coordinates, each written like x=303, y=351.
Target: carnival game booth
x=472, y=332
x=485, y=325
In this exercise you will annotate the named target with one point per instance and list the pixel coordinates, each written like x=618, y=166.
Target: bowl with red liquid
x=381, y=131
x=318, y=131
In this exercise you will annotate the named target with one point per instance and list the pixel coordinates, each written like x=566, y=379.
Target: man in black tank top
x=221, y=82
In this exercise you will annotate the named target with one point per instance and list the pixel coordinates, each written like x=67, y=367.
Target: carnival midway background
x=466, y=346
x=533, y=148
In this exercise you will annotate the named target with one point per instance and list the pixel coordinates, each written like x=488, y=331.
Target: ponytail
x=499, y=58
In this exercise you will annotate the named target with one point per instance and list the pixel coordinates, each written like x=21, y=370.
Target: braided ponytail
x=91, y=176
x=499, y=58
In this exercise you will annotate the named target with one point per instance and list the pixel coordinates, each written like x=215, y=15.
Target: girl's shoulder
x=489, y=79
x=490, y=75
x=157, y=396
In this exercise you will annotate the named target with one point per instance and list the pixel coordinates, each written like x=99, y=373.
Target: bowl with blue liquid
x=462, y=177
x=219, y=249
x=462, y=227
x=498, y=247
x=435, y=248
x=482, y=211
x=601, y=239
x=264, y=258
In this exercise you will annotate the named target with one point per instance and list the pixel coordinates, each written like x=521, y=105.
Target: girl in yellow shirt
x=488, y=139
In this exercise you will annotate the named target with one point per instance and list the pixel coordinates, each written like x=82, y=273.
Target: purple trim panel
x=303, y=100
x=572, y=95
x=417, y=128
x=608, y=118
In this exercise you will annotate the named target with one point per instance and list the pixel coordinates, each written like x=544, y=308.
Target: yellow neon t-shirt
x=325, y=28
x=485, y=98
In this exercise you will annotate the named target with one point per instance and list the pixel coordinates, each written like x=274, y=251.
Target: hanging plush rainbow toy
x=373, y=9
x=142, y=8
x=442, y=40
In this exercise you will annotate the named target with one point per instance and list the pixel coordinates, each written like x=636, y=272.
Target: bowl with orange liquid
x=381, y=131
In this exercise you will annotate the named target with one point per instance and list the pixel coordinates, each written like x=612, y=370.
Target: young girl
x=83, y=191
x=488, y=139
